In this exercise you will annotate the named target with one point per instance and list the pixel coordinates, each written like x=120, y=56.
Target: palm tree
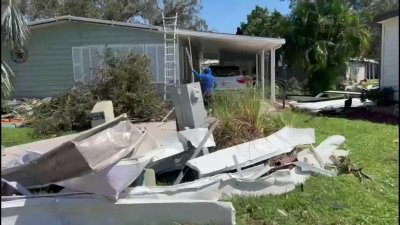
x=14, y=34
x=324, y=36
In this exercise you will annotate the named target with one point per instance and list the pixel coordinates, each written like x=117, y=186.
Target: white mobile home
x=390, y=51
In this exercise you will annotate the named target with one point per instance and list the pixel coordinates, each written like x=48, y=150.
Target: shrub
x=243, y=117
x=128, y=86
x=127, y=83
x=66, y=112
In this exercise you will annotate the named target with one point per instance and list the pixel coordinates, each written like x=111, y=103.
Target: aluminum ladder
x=169, y=24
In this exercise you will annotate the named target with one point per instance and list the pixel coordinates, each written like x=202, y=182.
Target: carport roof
x=213, y=43
x=209, y=42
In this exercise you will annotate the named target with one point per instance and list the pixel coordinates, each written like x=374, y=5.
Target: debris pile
x=332, y=101
x=18, y=111
x=106, y=175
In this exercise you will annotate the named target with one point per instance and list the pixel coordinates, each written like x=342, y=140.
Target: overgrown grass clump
x=243, y=117
x=126, y=82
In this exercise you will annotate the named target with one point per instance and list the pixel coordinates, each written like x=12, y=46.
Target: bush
x=243, y=117
x=382, y=97
x=129, y=87
x=64, y=113
x=127, y=83
x=293, y=87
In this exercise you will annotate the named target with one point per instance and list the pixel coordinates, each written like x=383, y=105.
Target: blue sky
x=225, y=15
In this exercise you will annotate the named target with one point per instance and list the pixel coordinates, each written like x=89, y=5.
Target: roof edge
x=382, y=17
x=90, y=20
x=278, y=41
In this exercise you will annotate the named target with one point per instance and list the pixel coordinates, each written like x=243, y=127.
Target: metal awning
x=214, y=43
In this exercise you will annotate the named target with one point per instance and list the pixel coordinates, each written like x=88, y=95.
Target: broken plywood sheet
x=93, y=211
x=89, y=152
x=252, y=152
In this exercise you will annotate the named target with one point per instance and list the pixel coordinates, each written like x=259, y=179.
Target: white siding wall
x=390, y=54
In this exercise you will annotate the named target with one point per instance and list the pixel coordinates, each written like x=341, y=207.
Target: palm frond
x=14, y=31
x=14, y=34
x=6, y=84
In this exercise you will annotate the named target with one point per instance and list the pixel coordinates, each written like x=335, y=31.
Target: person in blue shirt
x=207, y=81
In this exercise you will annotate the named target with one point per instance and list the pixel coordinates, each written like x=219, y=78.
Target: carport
x=208, y=45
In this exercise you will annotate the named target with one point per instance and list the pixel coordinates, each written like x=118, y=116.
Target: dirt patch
x=366, y=115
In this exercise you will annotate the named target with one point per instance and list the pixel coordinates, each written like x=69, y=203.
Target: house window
x=88, y=60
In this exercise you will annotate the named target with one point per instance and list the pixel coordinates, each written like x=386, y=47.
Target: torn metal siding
x=252, y=152
x=90, y=152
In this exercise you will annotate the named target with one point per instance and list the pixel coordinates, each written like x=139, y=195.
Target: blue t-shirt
x=207, y=81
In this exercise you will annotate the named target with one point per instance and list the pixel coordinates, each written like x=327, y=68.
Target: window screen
x=88, y=60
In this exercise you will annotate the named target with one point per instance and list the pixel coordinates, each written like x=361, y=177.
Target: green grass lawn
x=371, y=147
x=19, y=136
x=16, y=136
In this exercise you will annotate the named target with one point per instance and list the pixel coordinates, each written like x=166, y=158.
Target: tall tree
x=14, y=34
x=324, y=35
x=120, y=10
x=368, y=10
x=261, y=22
x=188, y=13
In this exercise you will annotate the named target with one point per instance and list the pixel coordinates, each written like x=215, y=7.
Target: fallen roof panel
x=91, y=151
x=252, y=152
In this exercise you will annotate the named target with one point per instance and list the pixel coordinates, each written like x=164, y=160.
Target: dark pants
x=208, y=98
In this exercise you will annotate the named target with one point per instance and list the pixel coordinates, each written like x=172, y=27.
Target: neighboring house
x=64, y=50
x=360, y=69
x=390, y=51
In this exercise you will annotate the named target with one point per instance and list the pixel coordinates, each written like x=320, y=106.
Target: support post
x=273, y=76
x=370, y=70
x=373, y=70
x=257, y=75
x=263, y=73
